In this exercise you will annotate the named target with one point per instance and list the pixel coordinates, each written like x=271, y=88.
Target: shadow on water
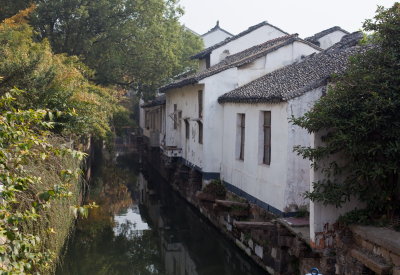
x=143, y=227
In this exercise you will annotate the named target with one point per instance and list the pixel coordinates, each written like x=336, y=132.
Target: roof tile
x=296, y=79
x=237, y=60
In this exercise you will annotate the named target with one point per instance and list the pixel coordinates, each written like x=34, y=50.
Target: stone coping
x=303, y=232
x=384, y=237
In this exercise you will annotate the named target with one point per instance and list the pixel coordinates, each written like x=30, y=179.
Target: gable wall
x=253, y=38
x=330, y=39
x=214, y=37
x=277, y=59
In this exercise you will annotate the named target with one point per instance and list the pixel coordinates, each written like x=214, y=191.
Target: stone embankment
x=282, y=245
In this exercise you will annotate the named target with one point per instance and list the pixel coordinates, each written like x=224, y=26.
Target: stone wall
x=368, y=250
x=275, y=245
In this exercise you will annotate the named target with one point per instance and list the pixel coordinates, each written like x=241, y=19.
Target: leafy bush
x=215, y=187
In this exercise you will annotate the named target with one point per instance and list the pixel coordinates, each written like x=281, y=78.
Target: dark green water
x=143, y=227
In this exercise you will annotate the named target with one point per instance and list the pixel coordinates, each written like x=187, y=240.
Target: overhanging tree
x=53, y=81
x=135, y=43
x=360, y=119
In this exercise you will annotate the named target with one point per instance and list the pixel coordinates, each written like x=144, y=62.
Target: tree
x=53, y=81
x=39, y=172
x=12, y=7
x=360, y=119
x=136, y=44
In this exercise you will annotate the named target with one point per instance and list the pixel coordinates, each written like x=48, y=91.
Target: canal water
x=143, y=227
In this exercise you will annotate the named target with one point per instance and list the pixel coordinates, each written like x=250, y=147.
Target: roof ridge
x=217, y=27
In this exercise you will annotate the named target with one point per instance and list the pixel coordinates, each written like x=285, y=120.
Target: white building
x=152, y=121
x=258, y=159
x=215, y=35
x=254, y=35
x=194, y=125
x=328, y=37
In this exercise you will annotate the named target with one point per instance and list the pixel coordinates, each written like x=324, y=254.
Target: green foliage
x=12, y=7
x=215, y=187
x=137, y=44
x=359, y=123
x=120, y=120
x=25, y=203
x=54, y=81
x=357, y=216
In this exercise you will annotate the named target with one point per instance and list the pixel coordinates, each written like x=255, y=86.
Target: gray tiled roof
x=315, y=37
x=238, y=59
x=296, y=79
x=159, y=100
x=205, y=52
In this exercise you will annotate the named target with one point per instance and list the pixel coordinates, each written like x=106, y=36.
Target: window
x=187, y=129
x=241, y=120
x=208, y=61
x=175, y=116
x=200, y=132
x=266, y=137
x=200, y=102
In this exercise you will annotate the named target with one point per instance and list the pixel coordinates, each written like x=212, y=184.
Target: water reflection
x=142, y=227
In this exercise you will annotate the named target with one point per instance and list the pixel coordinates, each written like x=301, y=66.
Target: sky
x=305, y=17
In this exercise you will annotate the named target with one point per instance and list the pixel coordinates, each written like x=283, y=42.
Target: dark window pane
x=200, y=133
x=187, y=129
x=242, y=135
x=267, y=138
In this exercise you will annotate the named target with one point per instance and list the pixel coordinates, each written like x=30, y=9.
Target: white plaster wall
x=252, y=71
x=215, y=86
x=330, y=39
x=265, y=182
x=277, y=59
x=159, y=120
x=214, y=37
x=253, y=38
x=209, y=156
x=320, y=215
x=186, y=99
x=298, y=169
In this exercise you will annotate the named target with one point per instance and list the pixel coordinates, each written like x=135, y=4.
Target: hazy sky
x=304, y=17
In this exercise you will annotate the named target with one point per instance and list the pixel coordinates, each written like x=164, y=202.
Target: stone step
x=253, y=225
x=232, y=203
x=371, y=261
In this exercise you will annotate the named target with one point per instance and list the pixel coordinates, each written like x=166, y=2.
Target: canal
x=143, y=227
